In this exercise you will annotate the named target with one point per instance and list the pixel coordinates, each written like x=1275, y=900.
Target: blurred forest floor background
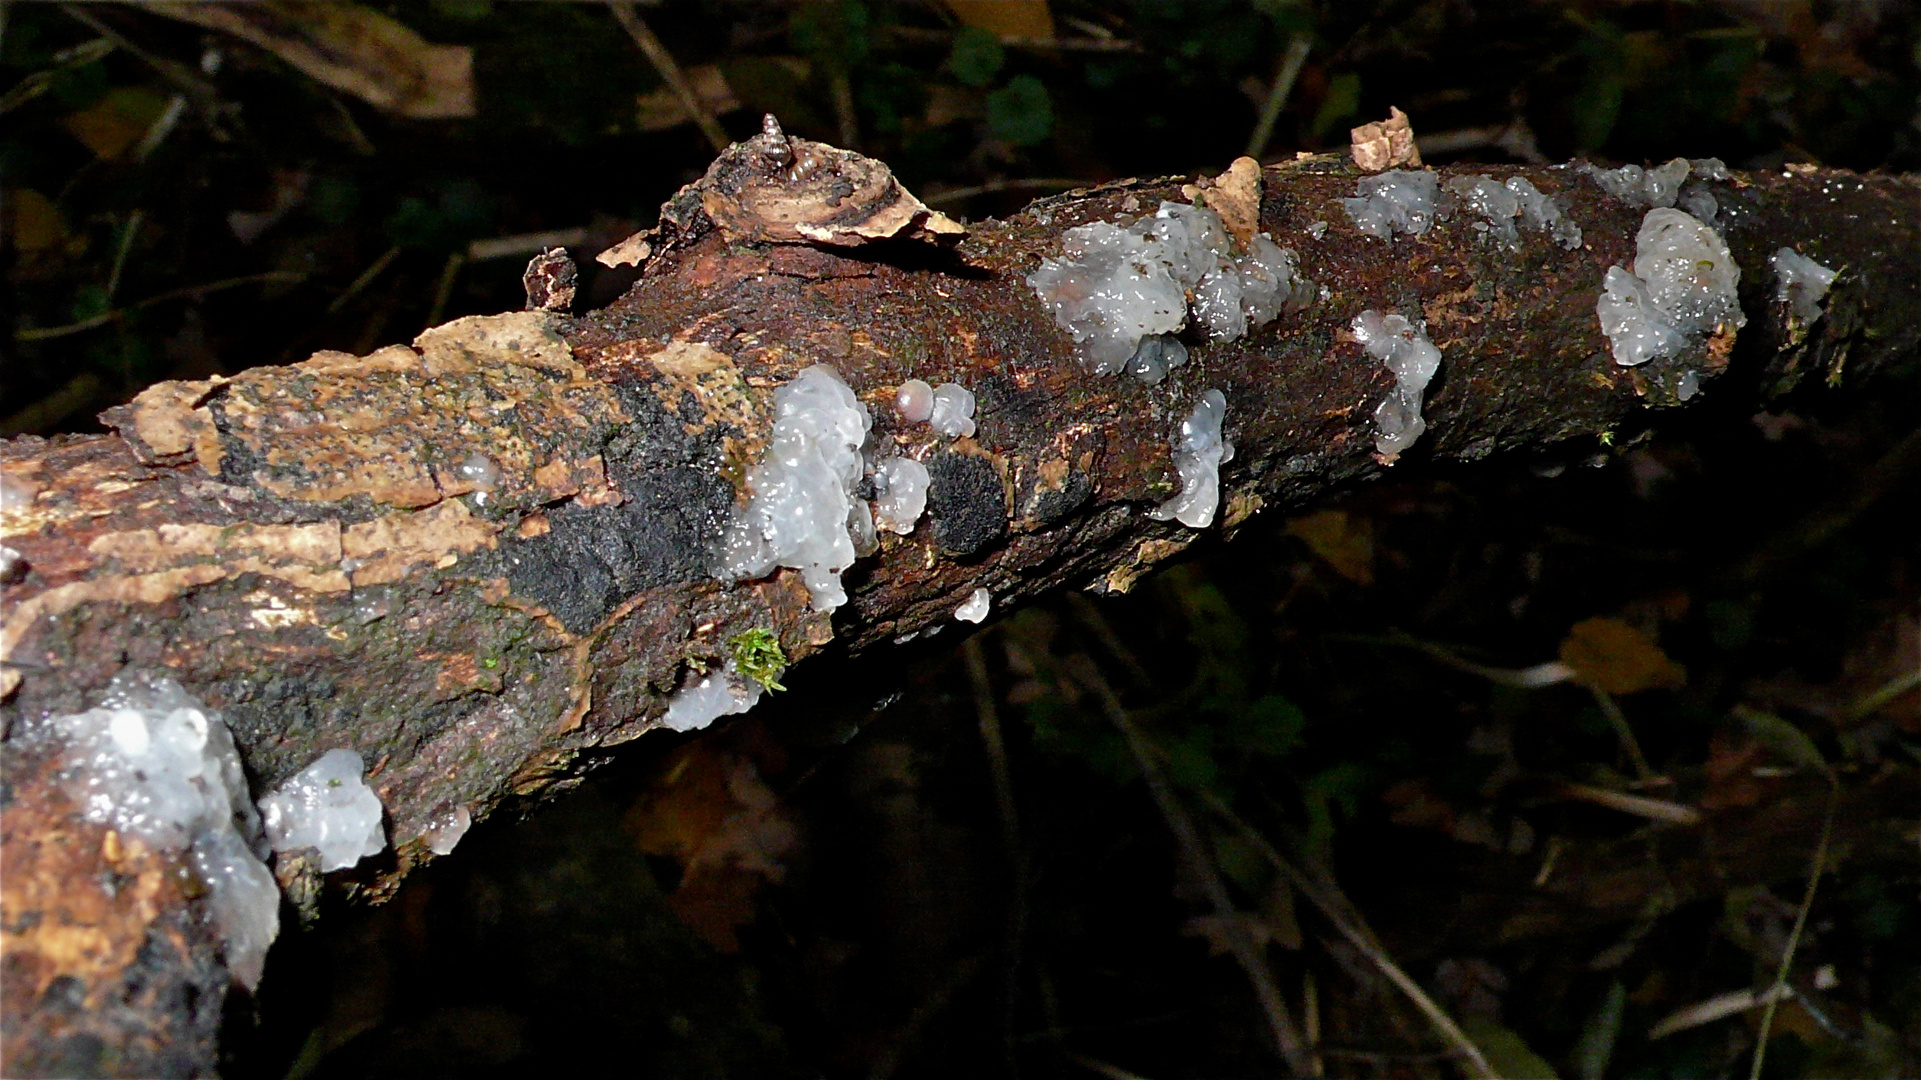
x=1555, y=737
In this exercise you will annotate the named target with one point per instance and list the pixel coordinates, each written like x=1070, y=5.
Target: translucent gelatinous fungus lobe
x=327, y=807
x=975, y=607
x=1801, y=283
x=1115, y=289
x=1199, y=452
x=804, y=513
x=900, y=494
x=1399, y=200
x=914, y=401
x=953, y=412
x=1682, y=288
x=479, y=470
x=153, y=762
x=1405, y=351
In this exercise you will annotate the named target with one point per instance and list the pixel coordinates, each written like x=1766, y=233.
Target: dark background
x=827, y=886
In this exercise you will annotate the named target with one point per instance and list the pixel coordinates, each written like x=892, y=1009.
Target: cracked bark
x=309, y=549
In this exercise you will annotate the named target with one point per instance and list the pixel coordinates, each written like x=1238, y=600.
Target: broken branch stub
x=473, y=559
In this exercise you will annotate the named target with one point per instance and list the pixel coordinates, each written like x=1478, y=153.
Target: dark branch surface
x=300, y=547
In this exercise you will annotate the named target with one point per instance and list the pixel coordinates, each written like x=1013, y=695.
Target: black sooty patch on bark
x=676, y=503
x=1048, y=505
x=964, y=497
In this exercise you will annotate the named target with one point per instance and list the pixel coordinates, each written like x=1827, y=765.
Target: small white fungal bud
x=914, y=401
x=975, y=607
x=480, y=471
x=953, y=410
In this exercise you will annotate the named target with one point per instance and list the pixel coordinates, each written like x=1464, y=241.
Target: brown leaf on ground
x=1007, y=18
x=351, y=48
x=661, y=110
x=1609, y=655
x=713, y=813
x=1344, y=541
x=1385, y=144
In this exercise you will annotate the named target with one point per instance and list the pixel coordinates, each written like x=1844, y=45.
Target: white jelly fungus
x=1116, y=286
x=914, y=401
x=1155, y=356
x=1658, y=187
x=711, y=696
x=153, y=762
x=975, y=607
x=1801, y=282
x=480, y=471
x=1682, y=287
x=445, y=833
x=900, y=494
x=1502, y=203
x=953, y=413
x=1540, y=211
x=327, y=806
x=803, y=513
x=1399, y=200
x=1199, y=452
x=1404, y=350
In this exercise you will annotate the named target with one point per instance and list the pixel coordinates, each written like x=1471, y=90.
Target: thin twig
x=1290, y=70
x=1112, y=1072
x=670, y=73
x=1334, y=904
x=120, y=256
x=1638, y=805
x=365, y=279
x=1780, y=989
x=1287, y=1037
x=1527, y=678
x=1619, y=722
x=845, y=121
x=444, y=289
x=954, y=195
x=990, y=728
x=41, y=415
x=1870, y=703
x=43, y=333
x=173, y=71
x=500, y=247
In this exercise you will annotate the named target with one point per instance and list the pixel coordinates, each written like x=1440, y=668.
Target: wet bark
x=476, y=559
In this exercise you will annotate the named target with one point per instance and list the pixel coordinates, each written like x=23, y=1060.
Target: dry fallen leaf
x=1236, y=196
x=1345, y=542
x=111, y=125
x=1006, y=18
x=1385, y=144
x=352, y=48
x=662, y=110
x=1608, y=654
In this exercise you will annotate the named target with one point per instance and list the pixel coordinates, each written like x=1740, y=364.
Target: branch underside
x=305, y=549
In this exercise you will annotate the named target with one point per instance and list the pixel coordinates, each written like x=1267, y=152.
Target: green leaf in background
x=1020, y=113
x=1506, y=1052
x=1596, y=107
x=463, y=10
x=1190, y=759
x=976, y=57
x=1272, y=726
x=333, y=200
x=1782, y=739
x=1342, y=103
x=88, y=301
x=832, y=32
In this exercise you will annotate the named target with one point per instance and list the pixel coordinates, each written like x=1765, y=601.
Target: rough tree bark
x=301, y=548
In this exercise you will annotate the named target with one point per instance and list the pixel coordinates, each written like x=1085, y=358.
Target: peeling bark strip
x=472, y=559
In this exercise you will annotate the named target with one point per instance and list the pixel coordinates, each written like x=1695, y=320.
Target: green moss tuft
x=758, y=656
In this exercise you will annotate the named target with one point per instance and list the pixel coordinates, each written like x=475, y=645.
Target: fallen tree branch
x=477, y=558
